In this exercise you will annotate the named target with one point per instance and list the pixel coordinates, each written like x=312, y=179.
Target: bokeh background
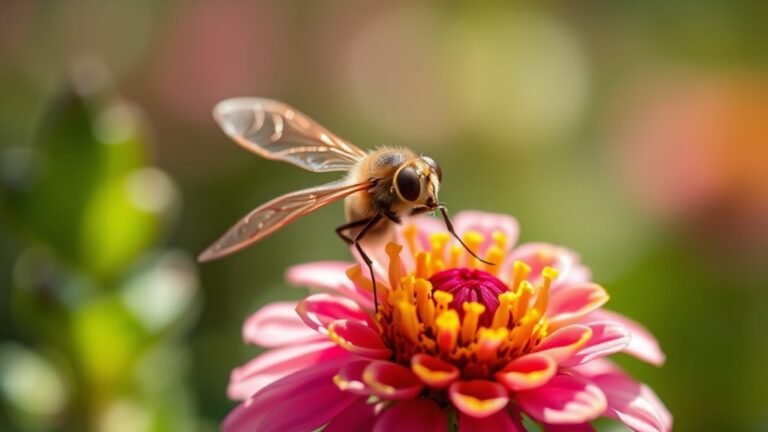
x=633, y=132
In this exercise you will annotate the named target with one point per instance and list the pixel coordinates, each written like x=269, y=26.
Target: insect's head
x=417, y=181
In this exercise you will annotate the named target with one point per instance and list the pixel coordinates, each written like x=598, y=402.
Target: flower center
x=451, y=306
x=470, y=285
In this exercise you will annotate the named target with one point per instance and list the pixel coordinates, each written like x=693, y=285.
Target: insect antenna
x=449, y=226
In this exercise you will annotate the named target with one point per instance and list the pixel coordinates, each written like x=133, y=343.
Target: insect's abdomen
x=358, y=207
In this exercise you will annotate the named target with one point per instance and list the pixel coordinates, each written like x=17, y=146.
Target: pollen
x=453, y=307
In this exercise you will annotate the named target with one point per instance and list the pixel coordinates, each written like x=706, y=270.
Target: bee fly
x=381, y=186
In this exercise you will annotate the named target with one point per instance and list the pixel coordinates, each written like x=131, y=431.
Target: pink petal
x=329, y=276
x=350, y=378
x=434, y=372
x=392, y=381
x=597, y=367
x=540, y=255
x=607, y=338
x=359, y=339
x=642, y=345
x=561, y=344
x=415, y=415
x=603, y=367
x=360, y=416
x=568, y=305
x=277, y=363
x=478, y=398
x=502, y=421
x=526, y=372
x=634, y=404
x=564, y=399
x=303, y=401
x=664, y=414
x=319, y=310
x=486, y=224
x=578, y=274
x=277, y=324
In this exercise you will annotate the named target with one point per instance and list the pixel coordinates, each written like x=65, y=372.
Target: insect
x=380, y=188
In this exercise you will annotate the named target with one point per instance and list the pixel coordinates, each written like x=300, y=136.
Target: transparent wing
x=276, y=214
x=277, y=131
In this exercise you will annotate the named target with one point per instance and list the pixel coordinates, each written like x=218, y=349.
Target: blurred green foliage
x=76, y=194
x=102, y=304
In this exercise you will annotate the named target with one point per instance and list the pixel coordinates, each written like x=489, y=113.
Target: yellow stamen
x=541, y=329
x=407, y=283
x=355, y=274
x=542, y=299
x=409, y=323
x=438, y=241
x=489, y=341
x=549, y=274
x=522, y=333
x=395, y=265
x=425, y=305
x=422, y=265
x=394, y=298
x=525, y=292
x=501, y=316
x=443, y=299
x=499, y=239
x=472, y=312
x=447, y=324
x=409, y=232
x=494, y=255
x=473, y=240
x=456, y=251
x=520, y=271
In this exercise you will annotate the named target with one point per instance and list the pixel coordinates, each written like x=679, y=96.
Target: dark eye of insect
x=435, y=167
x=407, y=182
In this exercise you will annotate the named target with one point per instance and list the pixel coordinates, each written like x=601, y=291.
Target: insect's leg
x=340, y=230
x=449, y=226
x=370, y=223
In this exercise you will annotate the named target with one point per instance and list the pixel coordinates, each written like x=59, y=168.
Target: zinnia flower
x=455, y=343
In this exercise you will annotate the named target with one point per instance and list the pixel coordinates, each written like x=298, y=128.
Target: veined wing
x=274, y=130
x=278, y=213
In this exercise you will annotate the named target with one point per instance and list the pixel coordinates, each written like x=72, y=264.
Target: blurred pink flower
x=693, y=149
x=213, y=50
x=454, y=340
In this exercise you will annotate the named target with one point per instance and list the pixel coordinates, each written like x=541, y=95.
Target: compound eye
x=435, y=167
x=407, y=183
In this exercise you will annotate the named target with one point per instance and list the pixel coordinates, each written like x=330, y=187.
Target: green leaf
x=69, y=158
x=84, y=188
x=123, y=218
